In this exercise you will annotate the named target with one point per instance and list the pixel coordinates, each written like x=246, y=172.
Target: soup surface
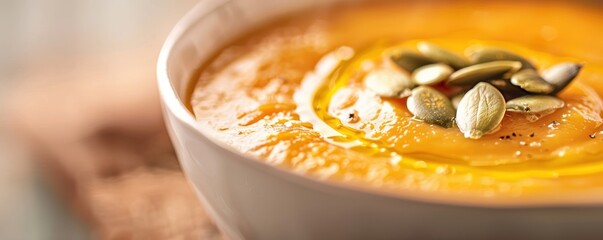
x=291, y=94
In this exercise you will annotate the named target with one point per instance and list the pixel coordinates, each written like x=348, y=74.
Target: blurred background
x=83, y=151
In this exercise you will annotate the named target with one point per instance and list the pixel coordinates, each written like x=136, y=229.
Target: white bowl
x=249, y=199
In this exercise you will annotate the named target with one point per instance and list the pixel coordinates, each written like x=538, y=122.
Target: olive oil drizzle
x=506, y=169
x=336, y=80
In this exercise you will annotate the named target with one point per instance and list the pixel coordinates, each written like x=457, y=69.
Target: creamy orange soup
x=285, y=94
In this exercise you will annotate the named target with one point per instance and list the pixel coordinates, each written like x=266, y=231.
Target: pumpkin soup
x=468, y=100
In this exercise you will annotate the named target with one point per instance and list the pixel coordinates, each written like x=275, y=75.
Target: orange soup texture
x=291, y=94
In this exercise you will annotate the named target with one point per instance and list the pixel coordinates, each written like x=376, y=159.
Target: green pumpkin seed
x=480, y=111
x=388, y=83
x=501, y=84
x=483, y=72
x=529, y=80
x=489, y=54
x=430, y=106
x=410, y=61
x=442, y=55
x=508, y=90
x=431, y=74
x=561, y=75
x=457, y=99
x=534, y=104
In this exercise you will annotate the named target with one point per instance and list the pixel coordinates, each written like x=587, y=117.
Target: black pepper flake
x=592, y=135
x=514, y=135
x=502, y=137
x=353, y=117
x=507, y=137
x=531, y=135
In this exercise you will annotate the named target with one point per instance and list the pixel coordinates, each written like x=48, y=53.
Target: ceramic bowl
x=249, y=199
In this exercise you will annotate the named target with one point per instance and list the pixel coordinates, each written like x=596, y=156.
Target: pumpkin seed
x=388, y=83
x=534, y=104
x=480, y=111
x=442, y=55
x=561, y=75
x=430, y=106
x=431, y=74
x=410, y=61
x=529, y=80
x=508, y=90
x=483, y=72
x=489, y=54
x=457, y=99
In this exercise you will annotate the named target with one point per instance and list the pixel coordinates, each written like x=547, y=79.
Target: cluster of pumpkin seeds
x=492, y=81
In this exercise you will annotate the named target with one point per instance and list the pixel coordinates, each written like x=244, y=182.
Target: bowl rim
x=172, y=103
